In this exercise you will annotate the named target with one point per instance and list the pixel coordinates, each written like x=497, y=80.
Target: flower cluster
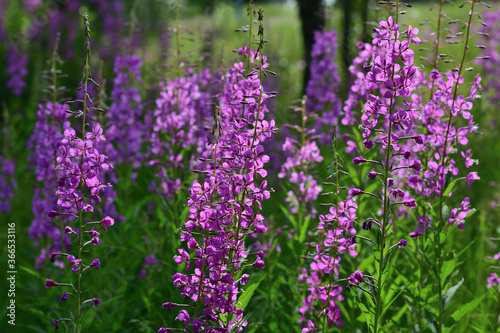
x=126, y=131
x=179, y=124
x=388, y=118
x=7, y=183
x=444, y=138
x=338, y=237
x=224, y=208
x=81, y=168
x=322, y=88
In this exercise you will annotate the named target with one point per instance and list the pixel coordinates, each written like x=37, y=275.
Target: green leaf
x=429, y=262
x=304, y=229
x=445, y=213
x=449, y=188
x=465, y=249
x=392, y=301
x=244, y=299
x=446, y=270
x=433, y=325
x=412, y=307
x=31, y=271
x=467, y=308
x=368, y=313
x=472, y=212
x=289, y=216
x=88, y=316
x=448, y=295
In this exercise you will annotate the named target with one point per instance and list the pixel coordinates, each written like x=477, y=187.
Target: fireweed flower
x=337, y=235
x=224, y=207
x=322, y=88
x=80, y=169
x=388, y=121
x=447, y=120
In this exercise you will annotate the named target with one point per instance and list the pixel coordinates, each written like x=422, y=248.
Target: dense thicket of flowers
x=364, y=232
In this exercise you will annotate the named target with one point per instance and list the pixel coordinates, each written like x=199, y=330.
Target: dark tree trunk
x=346, y=49
x=312, y=15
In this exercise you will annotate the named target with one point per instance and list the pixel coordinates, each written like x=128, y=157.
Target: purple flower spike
x=402, y=243
x=64, y=297
x=54, y=323
x=96, y=302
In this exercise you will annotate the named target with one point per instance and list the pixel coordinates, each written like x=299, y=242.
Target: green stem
x=385, y=222
x=337, y=197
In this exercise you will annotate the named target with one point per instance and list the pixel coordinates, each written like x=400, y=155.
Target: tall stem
x=337, y=201
x=86, y=77
x=380, y=281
